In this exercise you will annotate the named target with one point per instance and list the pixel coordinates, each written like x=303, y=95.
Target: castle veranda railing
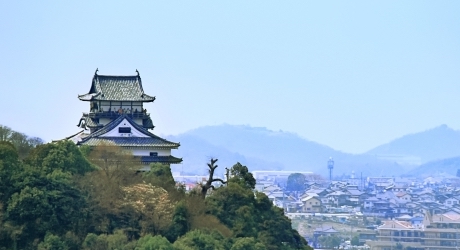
x=115, y=114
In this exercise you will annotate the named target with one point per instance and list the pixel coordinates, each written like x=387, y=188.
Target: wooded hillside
x=64, y=197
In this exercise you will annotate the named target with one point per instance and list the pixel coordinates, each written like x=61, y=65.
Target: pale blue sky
x=348, y=74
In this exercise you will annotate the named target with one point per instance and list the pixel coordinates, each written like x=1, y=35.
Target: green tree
x=85, y=150
x=253, y=215
x=63, y=155
x=160, y=176
x=200, y=240
x=45, y=203
x=180, y=222
x=8, y=152
x=296, y=182
x=90, y=241
x=149, y=242
x=41, y=196
x=52, y=242
x=247, y=243
x=199, y=217
x=233, y=206
x=5, y=133
x=117, y=241
x=116, y=169
x=95, y=242
x=22, y=142
x=9, y=166
x=241, y=175
x=72, y=240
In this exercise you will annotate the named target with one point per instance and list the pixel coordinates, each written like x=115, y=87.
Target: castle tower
x=117, y=117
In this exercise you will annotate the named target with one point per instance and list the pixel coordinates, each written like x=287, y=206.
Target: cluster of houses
x=386, y=197
x=414, y=213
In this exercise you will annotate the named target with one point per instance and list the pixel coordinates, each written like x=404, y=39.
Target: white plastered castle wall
x=146, y=152
x=124, y=124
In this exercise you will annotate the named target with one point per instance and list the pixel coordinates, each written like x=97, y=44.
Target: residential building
x=311, y=204
x=438, y=231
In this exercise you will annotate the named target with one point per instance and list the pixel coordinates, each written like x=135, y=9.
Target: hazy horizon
x=290, y=132
x=265, y=128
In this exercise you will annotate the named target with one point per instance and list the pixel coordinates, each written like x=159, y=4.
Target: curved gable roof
x=116, y=88
x=151, y=140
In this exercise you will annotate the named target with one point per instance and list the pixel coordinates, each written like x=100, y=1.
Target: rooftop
x=116, y=88
x=152, y=140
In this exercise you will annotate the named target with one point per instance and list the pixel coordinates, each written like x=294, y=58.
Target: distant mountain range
x=263, y=149
x=440, y=167
x=434, y=144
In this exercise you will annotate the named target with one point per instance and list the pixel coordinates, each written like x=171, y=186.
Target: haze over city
x=348, y=75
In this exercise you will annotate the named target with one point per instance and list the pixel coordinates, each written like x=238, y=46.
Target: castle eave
x=161, y=159
x=134, y=142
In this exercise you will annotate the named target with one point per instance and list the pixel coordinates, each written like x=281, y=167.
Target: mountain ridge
x=448, y=166
x=262, y=149
x=437, y=143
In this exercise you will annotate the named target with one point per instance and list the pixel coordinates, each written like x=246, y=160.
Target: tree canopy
x=296, y=182
x=23, y=143
x=241, y=175
x=250, y=214
x=60, y=196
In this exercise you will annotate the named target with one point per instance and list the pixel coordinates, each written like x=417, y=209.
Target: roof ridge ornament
x=137, y=72
x=95, y=73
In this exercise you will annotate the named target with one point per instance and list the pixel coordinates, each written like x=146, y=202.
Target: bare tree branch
x=220, y=180
x=208, y=185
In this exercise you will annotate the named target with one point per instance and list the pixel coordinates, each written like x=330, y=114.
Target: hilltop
x=433, y=144
x=263, y=149
x=445, y=166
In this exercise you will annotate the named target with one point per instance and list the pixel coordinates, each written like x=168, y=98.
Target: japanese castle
x=117, y=117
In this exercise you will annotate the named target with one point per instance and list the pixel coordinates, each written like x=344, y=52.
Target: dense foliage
x=23, y=143
x=64, y=197
x=296, y=182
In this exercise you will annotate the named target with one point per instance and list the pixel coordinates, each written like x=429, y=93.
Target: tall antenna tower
x=330, y=166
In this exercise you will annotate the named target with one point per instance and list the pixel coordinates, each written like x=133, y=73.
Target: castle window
x=124, y=130
x=153, y=154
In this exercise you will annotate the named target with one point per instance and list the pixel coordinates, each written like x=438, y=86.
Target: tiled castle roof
x=116, y=88
x=152, y=140
x=87, y=121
